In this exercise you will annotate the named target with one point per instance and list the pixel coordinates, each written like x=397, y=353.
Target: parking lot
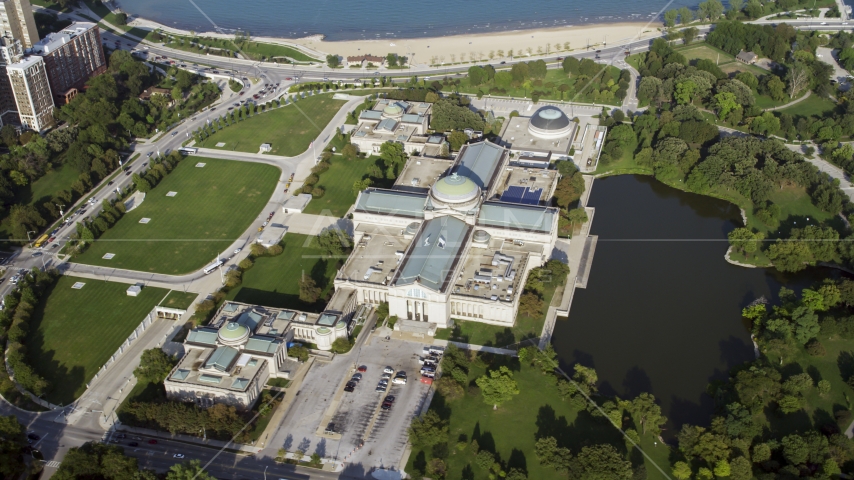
x=356, y=415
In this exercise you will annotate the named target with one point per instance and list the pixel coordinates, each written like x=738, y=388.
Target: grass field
x=178, y=299
x=253, y=50
x=338, y=183
x=814, y=105
x=214, y=205
x=74, y=332
x=555, y=77
x=511, y=431
x=290, y=129
x=274, y=281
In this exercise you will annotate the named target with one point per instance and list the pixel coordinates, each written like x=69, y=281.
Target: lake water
x=348, y=20
x=662, y=309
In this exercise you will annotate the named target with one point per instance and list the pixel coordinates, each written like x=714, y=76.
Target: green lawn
x=815, y=105
x=179, y=299
x=338, y=183
x=555, y=77
x=477, y=333
x=511, y=431
x=289, y=130
x=835, y=366
x=706, y=52
x=74, y=332
x=274, y=281
x=214, y=205
x=253, y=50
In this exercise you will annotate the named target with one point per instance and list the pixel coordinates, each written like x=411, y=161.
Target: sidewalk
x=285, y=404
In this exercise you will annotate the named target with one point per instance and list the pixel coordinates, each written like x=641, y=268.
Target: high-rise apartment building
x=17, y=21
x=10, y=52
x=31, y=89
x=72, y=56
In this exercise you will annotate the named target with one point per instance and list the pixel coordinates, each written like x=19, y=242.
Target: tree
x=334, y=61
x=722, y=468
x=690, y=33
x=428, y=430
x=154, y=366
x=12, y=443
x=9, y=136
x=360, y=185
x=309, y=292
x=457, y=139
x=795, y=449
x=685, y=16
x=736, y=5
x=670, y=18
x=798, y=78
x=530, y=304
x=681, y=470
x=191, y=470
x=335, y=242
x=394, y=157
x=141, y=184
x=341, y=345
x=600, y=462
x=775, y=87
x=725, y=103
x=649, y=412
x=497, y=386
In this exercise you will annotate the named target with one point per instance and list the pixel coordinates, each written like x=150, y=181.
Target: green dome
x=455, y=189
x=233, y=331
x=323, y=331
x=393, y=110
x=342, y=324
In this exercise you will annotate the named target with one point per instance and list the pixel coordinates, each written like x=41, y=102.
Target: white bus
x=188, y=150
x=210, y=268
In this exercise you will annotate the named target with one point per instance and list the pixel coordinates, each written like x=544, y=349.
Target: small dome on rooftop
x=455, y=189
x=393, y=110
x=549, y=122
x=233, y=332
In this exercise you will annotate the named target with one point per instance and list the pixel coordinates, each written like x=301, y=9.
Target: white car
x=388, y=370
x=178, y=455
x=824, y=23
x=236, y=251
x=399, y=381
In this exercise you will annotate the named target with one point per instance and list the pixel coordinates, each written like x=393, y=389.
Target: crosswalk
x=52, y=464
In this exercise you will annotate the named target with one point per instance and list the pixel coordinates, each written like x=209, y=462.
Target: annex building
x=230, y=360
x=397, y=121
x=452, y=238
x=546, y=135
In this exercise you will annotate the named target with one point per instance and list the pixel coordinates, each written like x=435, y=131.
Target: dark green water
x=662, y=308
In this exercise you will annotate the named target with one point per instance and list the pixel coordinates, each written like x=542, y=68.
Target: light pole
x=61, y=214
x=265, y=472
x=28, y=236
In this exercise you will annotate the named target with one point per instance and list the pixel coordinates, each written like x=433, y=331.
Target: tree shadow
x=467, y=473
x=636, y=382
x=320, y=449
x=517, y=460
x=845, y=362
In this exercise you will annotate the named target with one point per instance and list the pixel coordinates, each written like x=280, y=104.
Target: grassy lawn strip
x=214, y=205
x=74, y=332
x=289, y=129
x=178, y=299
x=41, y=191
x=253, y=50
x=511, y=431
x=814, y=105
x=338, y=183
x=274, y=281
x=556, y=77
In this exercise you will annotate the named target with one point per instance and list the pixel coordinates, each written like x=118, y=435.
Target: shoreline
x=462, y=48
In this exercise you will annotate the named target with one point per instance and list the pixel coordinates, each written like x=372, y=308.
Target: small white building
x=134, y=290
x=296, y=203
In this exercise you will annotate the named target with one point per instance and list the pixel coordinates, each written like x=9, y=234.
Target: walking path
x=793, y=102
x=575, y=254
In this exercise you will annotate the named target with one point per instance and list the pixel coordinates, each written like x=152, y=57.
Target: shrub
x=305, y=189
x=449, y=389
x=246, y=264
x=275, y=250
x=311, y=180
x=320, y=168
x=815, y=348
x=318, y=192
x=485, y=459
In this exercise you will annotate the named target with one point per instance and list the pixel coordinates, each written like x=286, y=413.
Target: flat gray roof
x=479, y=162
x=203, y=336
x=434, y=252
x=515, y=216
x=222, y=358
x=392, y=202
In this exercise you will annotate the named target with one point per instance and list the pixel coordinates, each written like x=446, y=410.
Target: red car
x=363, y=368
x=152, y=442
x=242, y=93
x=288, y=78
x=51, y=239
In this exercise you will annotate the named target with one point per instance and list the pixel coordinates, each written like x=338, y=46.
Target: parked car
x=357, y=377
x=399, y=381
x=349, y=389
x=388, y=370
x=237, y=250
x=33, y=436
x=352, y=384
x=178, y=455
x=386, y=376
x=133, y=444
x=152, y=442
x=363, y=368
x=387, y=403
x=330, y=428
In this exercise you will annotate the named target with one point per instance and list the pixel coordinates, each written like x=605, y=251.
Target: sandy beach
x=466, y=48
x=461, y=48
